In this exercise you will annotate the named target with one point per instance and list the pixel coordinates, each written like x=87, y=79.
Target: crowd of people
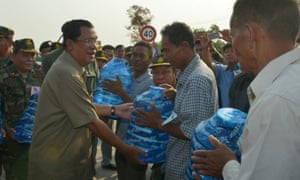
x=257, y=75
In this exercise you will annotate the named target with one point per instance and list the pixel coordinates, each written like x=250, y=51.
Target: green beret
x=24, y=45
x=6, y=32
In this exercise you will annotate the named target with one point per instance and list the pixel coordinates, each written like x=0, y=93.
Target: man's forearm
x=174, y=130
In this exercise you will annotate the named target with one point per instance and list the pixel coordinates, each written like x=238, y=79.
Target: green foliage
x=139, y=17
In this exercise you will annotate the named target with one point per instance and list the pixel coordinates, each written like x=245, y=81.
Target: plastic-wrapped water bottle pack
x=153, y=142
x=226, y=125
x=25, y=124
x=116, y=66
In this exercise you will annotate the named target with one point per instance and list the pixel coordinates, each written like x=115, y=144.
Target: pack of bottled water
x=153, y=142
x=226, y=125
x=25, y=124
x=116, y=66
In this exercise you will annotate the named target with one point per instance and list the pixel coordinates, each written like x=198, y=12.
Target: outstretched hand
x=149, y=119
x=113, y=86
x=211, y=162
x=124, y=110
x=132, y=154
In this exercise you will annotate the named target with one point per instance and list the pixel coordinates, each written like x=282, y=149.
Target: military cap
x=56, y=45
x=24, y=45
x=101, y=55
x=159, y=61
x=45, y=44
x=6, y=32
x=128, y=50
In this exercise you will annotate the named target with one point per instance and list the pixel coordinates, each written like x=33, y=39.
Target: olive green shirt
x=92, y=71
x=61, y=142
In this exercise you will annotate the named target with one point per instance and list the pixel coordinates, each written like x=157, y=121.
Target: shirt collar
x=70, y=60
x=270, y=72
x=236, y=67
x=143, y=76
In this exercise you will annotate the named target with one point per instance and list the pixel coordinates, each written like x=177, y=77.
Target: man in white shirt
x=263, y=37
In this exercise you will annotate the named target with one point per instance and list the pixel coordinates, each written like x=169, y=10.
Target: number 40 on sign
x=148, y=33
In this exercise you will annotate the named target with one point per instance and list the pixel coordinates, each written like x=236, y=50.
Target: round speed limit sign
x=148, y=33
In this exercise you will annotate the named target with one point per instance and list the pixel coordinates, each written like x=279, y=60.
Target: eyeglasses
x=88, y=41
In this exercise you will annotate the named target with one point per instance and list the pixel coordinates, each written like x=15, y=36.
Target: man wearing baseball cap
x=16, y=86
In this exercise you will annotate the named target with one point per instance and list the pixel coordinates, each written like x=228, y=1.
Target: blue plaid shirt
x=196, y=100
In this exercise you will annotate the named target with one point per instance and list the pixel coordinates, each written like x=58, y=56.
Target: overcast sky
x=42, y=19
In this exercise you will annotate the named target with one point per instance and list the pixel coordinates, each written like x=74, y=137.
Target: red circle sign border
x=142, y=32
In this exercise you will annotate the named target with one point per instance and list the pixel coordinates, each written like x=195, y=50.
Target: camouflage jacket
x=15, y=91
x=4, y=63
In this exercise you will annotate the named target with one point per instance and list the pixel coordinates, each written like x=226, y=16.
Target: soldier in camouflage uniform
x=6, y=41
x=16, y=84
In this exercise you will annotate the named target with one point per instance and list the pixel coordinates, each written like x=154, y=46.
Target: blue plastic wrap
x=152, y=141
x=226, y=125
x=116, y=66
x=25, y=124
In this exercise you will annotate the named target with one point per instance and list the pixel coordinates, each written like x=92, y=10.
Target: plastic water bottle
x=153, y=142
x=116, y=66
x=1, y=136
x=25, y=124
x=226, y=125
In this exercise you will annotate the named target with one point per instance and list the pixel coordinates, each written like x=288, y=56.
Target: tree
x=139, y=17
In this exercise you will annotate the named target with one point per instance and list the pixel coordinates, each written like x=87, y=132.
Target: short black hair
x=108, y=46
x=71, y=29
x=145, y=44
x=119, y=46
x=179, y=32
x=227, y=46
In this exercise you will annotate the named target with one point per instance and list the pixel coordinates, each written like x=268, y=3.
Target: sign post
x=148, y=33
